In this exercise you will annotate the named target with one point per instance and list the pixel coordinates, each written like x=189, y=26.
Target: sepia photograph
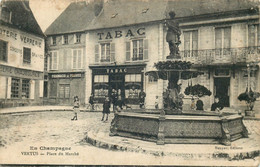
x=130, y=82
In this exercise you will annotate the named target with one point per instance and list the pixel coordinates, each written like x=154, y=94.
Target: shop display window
x=25, y=88
x=15, y=88
x=101, y=86
x=64, y=91
x=132, y=85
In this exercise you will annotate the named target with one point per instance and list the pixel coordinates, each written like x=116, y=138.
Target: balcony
x=222, y=56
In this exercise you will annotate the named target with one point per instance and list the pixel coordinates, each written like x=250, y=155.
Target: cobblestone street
x=54, y=128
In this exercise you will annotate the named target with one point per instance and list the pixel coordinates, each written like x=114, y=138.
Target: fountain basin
x=184, y=128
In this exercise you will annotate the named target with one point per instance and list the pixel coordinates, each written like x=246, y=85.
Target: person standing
x=76, y=108
x=142, y=96
x=114, y=98
x=119, y=104
x=106, y=109
x=216, y=106
x=91, y=101
x=199, y=105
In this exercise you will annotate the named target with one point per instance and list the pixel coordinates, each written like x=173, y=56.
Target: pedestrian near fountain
x=91, y=101
x=106, y=109
x=216, y=106
x=76, y=108
x=142, y=96
x=199, y=105
x=119, y=104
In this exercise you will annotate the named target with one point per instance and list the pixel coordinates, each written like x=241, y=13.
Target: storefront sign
x=119, y=34
x=17, y=72
x=74, y=75
x=117, y=70
x=25, y=39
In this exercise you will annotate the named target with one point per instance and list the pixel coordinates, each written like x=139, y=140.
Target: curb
x=93, y=140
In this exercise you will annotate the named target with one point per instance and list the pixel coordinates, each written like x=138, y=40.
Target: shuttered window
x=105, y=52
x=136, y=50
x=222, y=40
x=27, y=55
x=190, y=43
x=3, y=51
x=53, y=60
x=77, y=59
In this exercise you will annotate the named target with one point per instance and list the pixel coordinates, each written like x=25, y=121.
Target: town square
x=118, y=82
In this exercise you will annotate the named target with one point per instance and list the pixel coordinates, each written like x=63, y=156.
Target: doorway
x=117, y=82
x=222, y=89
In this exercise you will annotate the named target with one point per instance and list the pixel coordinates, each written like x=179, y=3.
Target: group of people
x=216, y=106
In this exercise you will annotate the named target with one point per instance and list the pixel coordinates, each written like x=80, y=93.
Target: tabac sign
x=119, y=34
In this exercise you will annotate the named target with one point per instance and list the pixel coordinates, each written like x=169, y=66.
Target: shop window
x=25, y=88
x=15, y=88
x=27, y=55
x=133, y=84
x=137, y=50
x=100, y=86
x=105, y=52
x=191, y=43
x=53, y=88
x=78, y=38
x=3, y=51
x=77, y=59
x=64, y=91
x=53, y=60
x=54, y=40
x=222, y=40
x=65, y=39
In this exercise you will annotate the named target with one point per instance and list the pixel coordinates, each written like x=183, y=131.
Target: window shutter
x=79, y=59
x=50, y=61
x=145, y=49
x=128, y=51
x=112, y=52
x=96, y=53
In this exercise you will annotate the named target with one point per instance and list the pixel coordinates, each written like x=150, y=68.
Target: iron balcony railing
x=222, y=56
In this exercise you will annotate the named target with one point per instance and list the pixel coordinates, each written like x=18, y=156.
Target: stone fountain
x=173, y=124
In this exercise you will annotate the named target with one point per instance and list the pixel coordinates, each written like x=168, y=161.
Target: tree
x=249, y=97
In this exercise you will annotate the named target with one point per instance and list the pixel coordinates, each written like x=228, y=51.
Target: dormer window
x=6, y=14
x=77, y=38
x=54, y=42
x=65, y=39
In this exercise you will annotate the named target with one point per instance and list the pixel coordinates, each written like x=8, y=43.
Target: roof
x=76, y=17
x=116, y=13
x=130, y=12
x=22, y=17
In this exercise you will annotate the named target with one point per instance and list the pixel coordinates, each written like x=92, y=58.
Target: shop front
x=126, y=80
x=64, y=86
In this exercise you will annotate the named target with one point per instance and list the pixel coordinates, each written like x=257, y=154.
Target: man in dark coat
x=106, y=108
x=216, y=106
x=142, y=96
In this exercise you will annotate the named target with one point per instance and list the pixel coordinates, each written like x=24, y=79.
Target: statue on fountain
x=173, y=36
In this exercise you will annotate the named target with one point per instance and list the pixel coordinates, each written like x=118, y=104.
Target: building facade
x=124, y=39
x=22, y=55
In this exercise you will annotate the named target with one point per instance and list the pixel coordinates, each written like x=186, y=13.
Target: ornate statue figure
x=173, y=36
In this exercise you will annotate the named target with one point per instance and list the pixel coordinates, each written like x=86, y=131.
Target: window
x=78, y=38
x=77, y=59
x=3, y=51
x=53, y=60
x=25, y=88
x=6, y=14
x=105, y=52
x=54, y=42
x=27, y=55
x=253, y=35
x=137, y=50
x=191, y=43
x=152, y=78
x=100, y=86
x=222, y=40
x=133, y=84
x=65, y=39
x=15, y=88
x=64, y=91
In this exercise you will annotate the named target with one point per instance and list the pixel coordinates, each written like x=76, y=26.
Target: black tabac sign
x=119, y=34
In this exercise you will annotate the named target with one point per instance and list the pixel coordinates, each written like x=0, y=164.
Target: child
x=76, y=108
x=119, y=104
x=106, y=108
x=156, y=103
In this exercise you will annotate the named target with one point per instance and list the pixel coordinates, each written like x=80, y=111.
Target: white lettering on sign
x=116, y=70
x=119, y=33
